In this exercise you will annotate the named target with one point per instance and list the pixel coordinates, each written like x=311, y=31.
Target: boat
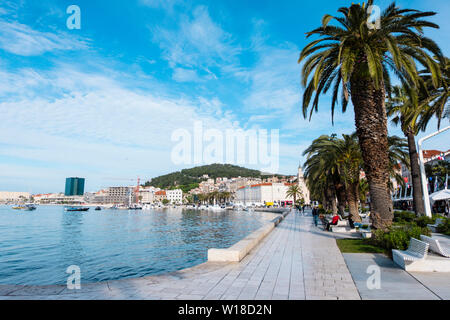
x=29, y=207
x=135, y=207
x=18, y=207
x=98, y=208
x=76, y=209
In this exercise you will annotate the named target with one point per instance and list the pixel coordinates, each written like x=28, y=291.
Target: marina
x=112, y=244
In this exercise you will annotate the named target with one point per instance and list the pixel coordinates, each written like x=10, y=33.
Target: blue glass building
x=74, y=186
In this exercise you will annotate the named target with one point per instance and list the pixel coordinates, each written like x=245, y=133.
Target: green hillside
x=188, y=179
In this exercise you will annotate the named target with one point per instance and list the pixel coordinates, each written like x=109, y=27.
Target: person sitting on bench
x=333, y=222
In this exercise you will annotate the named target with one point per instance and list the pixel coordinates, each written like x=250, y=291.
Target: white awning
x=440, y=195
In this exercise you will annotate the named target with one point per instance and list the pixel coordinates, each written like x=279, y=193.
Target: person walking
x=315, y=214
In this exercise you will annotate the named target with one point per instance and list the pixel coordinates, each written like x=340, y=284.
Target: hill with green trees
x=188, y=179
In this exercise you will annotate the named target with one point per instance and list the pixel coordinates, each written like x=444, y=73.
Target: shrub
x=404, y=216
x=444, y=227
x=364, y=210
x=422, y=221
x=397, y=237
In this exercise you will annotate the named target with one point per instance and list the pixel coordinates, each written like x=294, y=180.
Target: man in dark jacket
x=315, y=214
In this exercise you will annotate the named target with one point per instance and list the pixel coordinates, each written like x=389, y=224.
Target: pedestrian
x=315, y=214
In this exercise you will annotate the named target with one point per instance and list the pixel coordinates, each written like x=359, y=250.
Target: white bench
x=434, y=226
x=417, y=251
x=342, y=223
x=435, y=246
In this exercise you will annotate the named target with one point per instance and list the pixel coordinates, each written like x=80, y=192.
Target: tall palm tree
x=294, y=192
x=413, y=109
x=403, y=106
x=355, y=60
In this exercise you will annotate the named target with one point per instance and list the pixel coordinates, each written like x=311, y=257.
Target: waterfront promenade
x=295, y=261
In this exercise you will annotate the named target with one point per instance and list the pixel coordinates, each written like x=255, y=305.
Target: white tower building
x=302, y=185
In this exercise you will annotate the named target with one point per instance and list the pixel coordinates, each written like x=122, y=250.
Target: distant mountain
x=190, y=178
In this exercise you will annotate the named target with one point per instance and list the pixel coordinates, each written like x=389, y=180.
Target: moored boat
x=29, y=207
x=76, y=209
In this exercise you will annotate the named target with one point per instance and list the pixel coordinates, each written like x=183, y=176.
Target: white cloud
x=95, y=124
x=22, y=40
x=198, y=43
x=185, y=75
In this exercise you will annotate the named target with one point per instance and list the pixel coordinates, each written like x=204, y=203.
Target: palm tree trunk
x=371, y=128
x=334, y=205
x=418, y=204
x=341, y=198
x=332, y=200
x=352, y=196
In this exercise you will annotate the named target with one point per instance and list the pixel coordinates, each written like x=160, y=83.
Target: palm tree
x=333, y=168
x=435, y=99
x=294, y=192
x=398, y=153
x=413, y=109
x=321, y=171
x=356, y=60
x=350, y=162
x=363, y=191
x=341, y=162
x=403, y=107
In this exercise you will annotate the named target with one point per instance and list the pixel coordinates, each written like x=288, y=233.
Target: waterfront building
x=429, y=157
x=58, y=198
x=175, y=196
x=74, y=186
x=160, y=195
x=147, y=194
x=264, y=193
x=13, y=196
x=432, y=156
x=120, y=195
x=99, y=197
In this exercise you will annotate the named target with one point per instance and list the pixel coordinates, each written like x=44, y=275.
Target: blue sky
x=102, y=102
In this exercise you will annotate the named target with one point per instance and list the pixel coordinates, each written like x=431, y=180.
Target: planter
x=365, y=233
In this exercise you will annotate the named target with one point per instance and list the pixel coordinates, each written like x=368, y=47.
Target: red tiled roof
x=160, y=193
x=431, y=153
x=261, y=184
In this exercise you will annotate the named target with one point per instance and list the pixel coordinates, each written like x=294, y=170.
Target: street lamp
x=426, y=198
